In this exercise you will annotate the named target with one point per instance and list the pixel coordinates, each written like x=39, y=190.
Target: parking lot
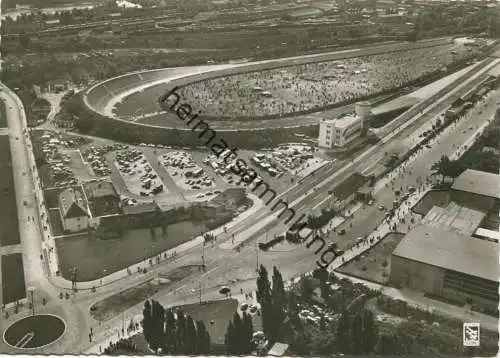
x=185, y=172
x=138, y=174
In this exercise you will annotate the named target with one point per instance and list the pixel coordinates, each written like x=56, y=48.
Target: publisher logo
x=471, y=334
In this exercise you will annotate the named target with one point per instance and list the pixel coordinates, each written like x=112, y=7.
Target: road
x=222, y=265
x=225, y=265
x=35, y=274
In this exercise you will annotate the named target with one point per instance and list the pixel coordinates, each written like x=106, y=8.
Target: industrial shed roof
x=443, y=248
x=477, y=182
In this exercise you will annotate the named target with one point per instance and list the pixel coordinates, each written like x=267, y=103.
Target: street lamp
x=123, y=318
x=31, y=290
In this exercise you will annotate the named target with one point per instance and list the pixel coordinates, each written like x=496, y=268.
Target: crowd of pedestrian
x=304, y=87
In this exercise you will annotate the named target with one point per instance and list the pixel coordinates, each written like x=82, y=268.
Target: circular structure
x=134, y=97
x=257, y=104
x=34, y=331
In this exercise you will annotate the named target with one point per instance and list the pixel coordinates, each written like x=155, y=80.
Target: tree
x=369, y=332
x=278, y=296
x=343, y=339
x=203, y=339
x=356, y=334
x=442, y=167
x=390, y=345
x=247, y=334
x=239, y=334
x=263, y=285
x=147, y=321
x=306, y=288
x=169, y=345
x=190, y=339
x=230, y=339
x=180, y=333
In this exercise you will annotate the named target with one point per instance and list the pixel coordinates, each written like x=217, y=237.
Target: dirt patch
x=180, y=273
x=113, y=305
x=375, y=264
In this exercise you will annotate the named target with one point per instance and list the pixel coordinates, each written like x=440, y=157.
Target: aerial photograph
x=280, y=178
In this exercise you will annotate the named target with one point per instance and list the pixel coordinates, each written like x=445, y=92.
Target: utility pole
x=203, y=255
x=152, y=260
x=200, y=292
x=123, y=318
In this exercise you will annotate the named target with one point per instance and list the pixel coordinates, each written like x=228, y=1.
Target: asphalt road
x=222, y=265
x=226, y=265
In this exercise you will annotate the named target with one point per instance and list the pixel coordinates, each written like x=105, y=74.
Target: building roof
x=349, y=186
x=455, y=218
x=477, y=182
x=439, y=247
x=488, y=234
x=99, y=189
x=346, y=121
x=278, y=349
x=72, y=204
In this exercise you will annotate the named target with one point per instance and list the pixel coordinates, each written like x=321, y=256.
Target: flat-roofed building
x=486, y=234
x=477, y=190
x=455, y=218
x=447, y=264
x=339, y=132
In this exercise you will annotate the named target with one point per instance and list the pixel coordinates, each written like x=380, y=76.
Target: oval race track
x=101, y=97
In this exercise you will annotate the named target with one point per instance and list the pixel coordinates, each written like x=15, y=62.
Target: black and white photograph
x=273, y=178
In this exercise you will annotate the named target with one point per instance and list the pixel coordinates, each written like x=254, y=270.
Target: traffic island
x=34, y=331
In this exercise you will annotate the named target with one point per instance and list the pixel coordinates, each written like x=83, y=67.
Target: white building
x=338, y=132
x=74, y=210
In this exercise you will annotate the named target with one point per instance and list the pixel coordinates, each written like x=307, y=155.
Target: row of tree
x=173, y=332
x=356, y=334
x=239, y=335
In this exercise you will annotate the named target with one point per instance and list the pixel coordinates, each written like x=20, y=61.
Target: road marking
x=25, y=340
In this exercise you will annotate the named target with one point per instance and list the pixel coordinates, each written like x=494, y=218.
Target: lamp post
x=31, y=290
x=257, y=256
x=123, y=317
x=152, y=260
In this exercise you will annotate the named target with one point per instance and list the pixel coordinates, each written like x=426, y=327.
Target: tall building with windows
x=340, y=131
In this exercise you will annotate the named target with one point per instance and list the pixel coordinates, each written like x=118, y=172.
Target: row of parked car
x=193, y=174
x=61, y=173
x=95, y=156
x=132, y=162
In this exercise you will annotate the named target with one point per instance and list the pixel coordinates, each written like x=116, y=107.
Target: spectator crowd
x=315, y=85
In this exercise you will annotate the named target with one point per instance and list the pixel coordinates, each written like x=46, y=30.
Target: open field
x=375, y=264
x=9, y=225
x=93, y=255
x=13, y=286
